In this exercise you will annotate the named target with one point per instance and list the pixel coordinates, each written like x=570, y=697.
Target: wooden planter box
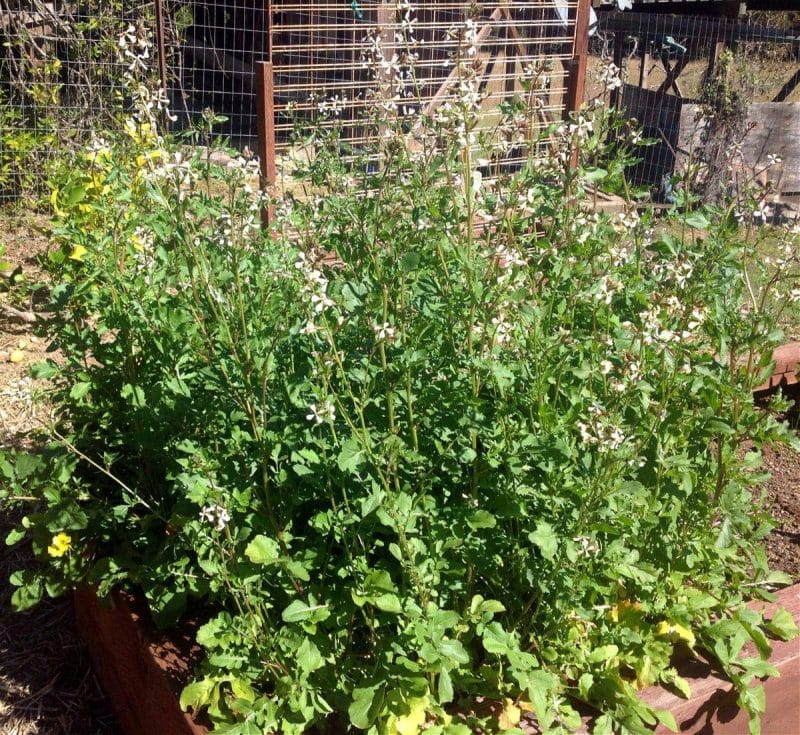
x=143, y=671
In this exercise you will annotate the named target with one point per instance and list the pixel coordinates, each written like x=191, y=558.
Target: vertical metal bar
x=161, y=45
x=265, y=109
x=619, y=43
x=268, y=10
x=644, y=70
x=576, y=81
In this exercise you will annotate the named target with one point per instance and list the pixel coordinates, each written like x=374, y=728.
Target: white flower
x=502, y=331
x=589, y=547
x=610, y=76
x=763, y=212
x=606, y=366
x=318, y=414
x=215, y=515
x=384, y=332
x=321, y=302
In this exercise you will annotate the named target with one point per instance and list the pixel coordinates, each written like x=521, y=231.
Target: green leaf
x=756, y=667
x=27, y=596
x=296, y=569
x=45, y=370
x=603, y=725
x=242, y=689
x=778, y=578
x=25, y=464
x=379, y=580
x=545, y=539
x=445, y=687
x=389, y=603
x=15, y=536
x=595, y=174
x=481, y=519
x=197, y=694
x=134, y=394
x=585, y=685
x=72, y=194
x=79, y=390
x=366, y=705
x=754, y=700
x=698, y=220
x=308, y=656
x=454, y=651
x=540, y=686
x=351, y=456
x=672, y=678
x=263, y=550
x=300, y=610
x=782, y=625
x=666, y=718
x=603, y=654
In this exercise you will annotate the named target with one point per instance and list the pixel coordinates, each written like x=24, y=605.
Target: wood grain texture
x=775, y=130
x=140, y=676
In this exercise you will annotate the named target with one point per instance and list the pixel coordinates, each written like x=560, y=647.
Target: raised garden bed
x=143, y=670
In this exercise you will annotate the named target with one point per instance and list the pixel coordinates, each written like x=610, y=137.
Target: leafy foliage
x=431, y=442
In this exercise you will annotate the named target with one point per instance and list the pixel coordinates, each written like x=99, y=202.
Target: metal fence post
x=161, y=46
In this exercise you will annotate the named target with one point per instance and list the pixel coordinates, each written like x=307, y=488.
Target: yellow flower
x=675, y=632
x=77, y=253
x=60, y=545
x=510, y=716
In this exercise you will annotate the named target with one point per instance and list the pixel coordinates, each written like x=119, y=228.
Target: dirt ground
x=46, y=683
x=783, y=489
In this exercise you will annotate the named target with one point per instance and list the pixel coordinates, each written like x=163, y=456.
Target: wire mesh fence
x=344, y=57
x=667, y=69
x=62, y=68
x=61, y=74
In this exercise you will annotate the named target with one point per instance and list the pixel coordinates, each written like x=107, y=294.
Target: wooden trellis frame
x=316, y=48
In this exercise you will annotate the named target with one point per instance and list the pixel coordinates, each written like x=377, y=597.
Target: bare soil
x=47, y=686
x=783, y=490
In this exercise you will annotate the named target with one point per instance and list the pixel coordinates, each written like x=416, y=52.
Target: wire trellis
x=61, y=76
x=324, y=57
x=664, y=61
x=60, y=79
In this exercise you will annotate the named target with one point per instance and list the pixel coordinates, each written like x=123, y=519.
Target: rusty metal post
x=161, y=49
x=265, y=111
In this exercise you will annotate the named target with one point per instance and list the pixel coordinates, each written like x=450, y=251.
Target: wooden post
x=576, y=68
x=265, y=111
x=576, y=80
x=713, y=58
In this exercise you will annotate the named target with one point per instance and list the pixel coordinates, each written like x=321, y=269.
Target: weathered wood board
x=775, y=130
x=667, y=119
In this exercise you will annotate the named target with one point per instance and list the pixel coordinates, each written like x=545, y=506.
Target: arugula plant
x=443, y=436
